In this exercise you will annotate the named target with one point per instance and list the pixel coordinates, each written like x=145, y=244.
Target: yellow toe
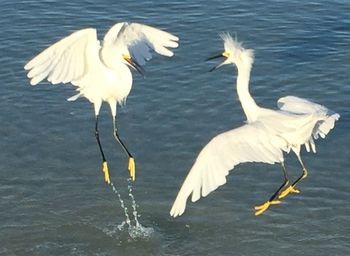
x=132, y=168
x=275, y=202
x=106, y=172
x=258, y=207
x=262, y=208
x=295, y=190
x=287, y=191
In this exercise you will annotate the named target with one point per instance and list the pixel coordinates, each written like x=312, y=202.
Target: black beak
x=215, y=57
x=133, y=63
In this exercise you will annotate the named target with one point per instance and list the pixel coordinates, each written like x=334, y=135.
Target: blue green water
x=52, y=197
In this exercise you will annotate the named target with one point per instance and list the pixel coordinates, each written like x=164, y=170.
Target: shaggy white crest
x=265, y=137
x=237, y=53
x=231, y=44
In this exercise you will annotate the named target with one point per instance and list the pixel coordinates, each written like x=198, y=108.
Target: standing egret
x=101, y=71
x=263, y=138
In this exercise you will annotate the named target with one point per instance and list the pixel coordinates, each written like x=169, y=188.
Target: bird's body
x=105, y=83
x=265, y=137
x=101, y=70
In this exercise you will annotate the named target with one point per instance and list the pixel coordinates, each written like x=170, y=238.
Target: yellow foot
x=263, y=207
x=132, y=168
x=106, y=172
x=287, y=191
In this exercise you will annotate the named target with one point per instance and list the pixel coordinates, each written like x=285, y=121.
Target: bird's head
x=128, y=60
x=233, y=53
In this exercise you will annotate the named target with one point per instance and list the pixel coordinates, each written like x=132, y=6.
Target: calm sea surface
x=52, y=197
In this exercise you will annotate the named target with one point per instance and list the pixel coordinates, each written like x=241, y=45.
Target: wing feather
x=65, y=61
x=249, y=143
x=140, y=40
x=327, y=117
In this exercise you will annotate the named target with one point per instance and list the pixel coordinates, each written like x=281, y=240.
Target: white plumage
x=101, y=70
x=264, y=138
x=248, y=143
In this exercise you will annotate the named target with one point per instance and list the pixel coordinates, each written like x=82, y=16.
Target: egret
x=265, y=137
x=101, y=71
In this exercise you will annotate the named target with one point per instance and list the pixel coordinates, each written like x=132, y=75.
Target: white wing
x=326, y=116
x=67, y=60
x=139, y=40
x=248, y=143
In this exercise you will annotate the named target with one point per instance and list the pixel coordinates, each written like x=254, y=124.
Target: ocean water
x=52, y=197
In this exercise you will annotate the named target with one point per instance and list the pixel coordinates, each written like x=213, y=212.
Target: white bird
x=265, y=136
x=101, y=71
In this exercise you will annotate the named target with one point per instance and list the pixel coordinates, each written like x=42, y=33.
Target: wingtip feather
x=178, y=207
x=27, y=66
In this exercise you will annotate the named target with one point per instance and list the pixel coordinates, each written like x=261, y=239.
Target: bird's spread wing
x=140, y=40
x=249, y=143
x=326, y=116
x=298, y=105
x=65, y=61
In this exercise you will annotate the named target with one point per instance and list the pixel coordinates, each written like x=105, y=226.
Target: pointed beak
x=133, y=63
x=221, y=55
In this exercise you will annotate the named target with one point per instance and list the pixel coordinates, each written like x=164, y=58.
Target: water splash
x=135, y=230
x=123, y=232
x=133, y=202
x=140, y=232
x=128, y=222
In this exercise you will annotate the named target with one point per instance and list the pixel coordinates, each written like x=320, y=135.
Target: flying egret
x=263, y=138
x=101, y=71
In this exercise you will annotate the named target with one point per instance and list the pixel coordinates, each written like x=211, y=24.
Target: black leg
x=104, y=161
x=282, y=187
x=131, y=164
x=274, y=198
x=98, y=140
x=303, y=175
x=118, y=139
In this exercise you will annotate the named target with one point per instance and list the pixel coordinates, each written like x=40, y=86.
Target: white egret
x=263, y=138
x=101, y=70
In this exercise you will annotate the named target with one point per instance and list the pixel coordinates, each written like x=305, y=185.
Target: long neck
x=249, y=106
